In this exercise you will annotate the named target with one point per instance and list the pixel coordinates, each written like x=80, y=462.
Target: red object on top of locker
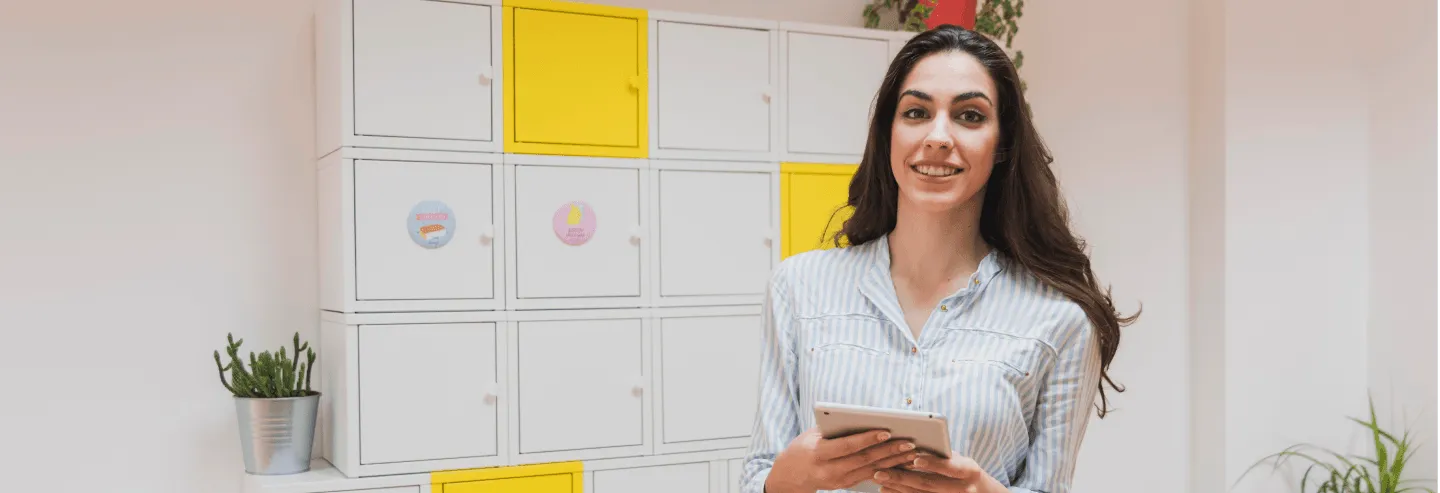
x=958, y=12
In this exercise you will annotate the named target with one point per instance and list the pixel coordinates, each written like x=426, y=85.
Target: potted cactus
x=275, y=406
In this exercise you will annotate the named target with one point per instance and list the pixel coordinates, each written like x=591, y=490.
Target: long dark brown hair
x=1023, y=216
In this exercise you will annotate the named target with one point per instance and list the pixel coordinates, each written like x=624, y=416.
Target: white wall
x=1312, y=190
x=1111, y=104
x=156, y=194
x=1402, y=160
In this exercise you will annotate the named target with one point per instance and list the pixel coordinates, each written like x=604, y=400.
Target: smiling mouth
x=936, y=171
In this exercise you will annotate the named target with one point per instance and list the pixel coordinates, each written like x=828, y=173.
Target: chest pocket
x=1016, y=358
x=993, y=378
x=847, y=359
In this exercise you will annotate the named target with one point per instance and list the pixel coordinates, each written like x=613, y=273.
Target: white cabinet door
x=713, y=87
x=428, y=391
x=676, y=478
x=715, y=233
x=450, y=253
x=831, y=82
x=577, y=232
x=581, y=384
x=423, y=69
x=737, y=470
x=709, y=372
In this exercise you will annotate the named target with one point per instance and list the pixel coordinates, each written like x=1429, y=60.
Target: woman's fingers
x=919, y=481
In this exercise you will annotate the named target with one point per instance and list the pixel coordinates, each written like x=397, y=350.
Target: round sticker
x=431, y=224
x=575, y=223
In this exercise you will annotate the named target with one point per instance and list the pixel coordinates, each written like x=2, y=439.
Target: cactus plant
x=271, y=376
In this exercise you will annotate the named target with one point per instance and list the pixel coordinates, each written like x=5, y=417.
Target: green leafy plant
x=1333, y=472
x=270, y=376
x=912, y=13
x=1000, y=19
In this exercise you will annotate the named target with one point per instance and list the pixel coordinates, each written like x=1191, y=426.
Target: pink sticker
x=575, y=223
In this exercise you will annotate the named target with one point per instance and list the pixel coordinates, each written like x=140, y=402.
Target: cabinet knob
x=487, y=74
x=487, y=234
x=492, y=393
x=767, y=93
x=637, y=81
x=637, y=233
x=639, y=387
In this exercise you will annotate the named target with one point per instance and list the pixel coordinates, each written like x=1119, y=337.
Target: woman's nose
x=939, y=135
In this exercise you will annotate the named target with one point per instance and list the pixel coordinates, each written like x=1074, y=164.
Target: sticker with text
x=575, y=223
x=431, y=224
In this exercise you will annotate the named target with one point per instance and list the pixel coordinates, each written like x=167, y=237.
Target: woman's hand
x=812, y=462
x=931, y=474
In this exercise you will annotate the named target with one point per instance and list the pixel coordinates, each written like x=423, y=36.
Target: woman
x=963, y=292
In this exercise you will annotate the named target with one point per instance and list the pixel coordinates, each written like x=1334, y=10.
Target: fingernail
x=911, y=457
x=907, y=446
x=882, y=475
x=884, y=436
x=920, y=462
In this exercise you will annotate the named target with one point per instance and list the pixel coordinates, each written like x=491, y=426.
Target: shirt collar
x=879, y=287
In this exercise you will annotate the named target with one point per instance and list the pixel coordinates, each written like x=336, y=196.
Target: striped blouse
x=1010, y=362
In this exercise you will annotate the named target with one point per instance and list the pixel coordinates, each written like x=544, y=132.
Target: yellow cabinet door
x=575, y=79
x=554, y=483
x=810, y=195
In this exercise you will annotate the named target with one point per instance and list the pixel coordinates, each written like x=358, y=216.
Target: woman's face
x=942, y=144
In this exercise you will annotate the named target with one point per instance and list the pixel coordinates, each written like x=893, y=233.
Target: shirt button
x=907, y=400
x=944, y=308
x=977, y=282
x=913, y=349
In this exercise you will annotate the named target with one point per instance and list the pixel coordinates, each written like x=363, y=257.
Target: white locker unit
x=577, y=230
x=714, y=93
x=410, y=393
x=829, y=79
x=693, y=477
x=410, y=231
x=716, y=228
x=415, y=74
x=735, y=469
x=583, y=385
x=484, y=307
x=708, y=363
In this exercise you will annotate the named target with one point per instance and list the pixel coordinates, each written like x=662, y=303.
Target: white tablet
x=928, y=431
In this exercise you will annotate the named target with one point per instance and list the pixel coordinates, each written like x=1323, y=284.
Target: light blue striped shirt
x=1011, y=362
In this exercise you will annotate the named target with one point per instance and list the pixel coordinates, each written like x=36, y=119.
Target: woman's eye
x=914, y=113
x=972, y=116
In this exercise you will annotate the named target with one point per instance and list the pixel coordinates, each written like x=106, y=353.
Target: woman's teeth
x=940, y=171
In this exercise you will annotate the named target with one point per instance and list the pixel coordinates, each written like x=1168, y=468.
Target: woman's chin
x=933, y=203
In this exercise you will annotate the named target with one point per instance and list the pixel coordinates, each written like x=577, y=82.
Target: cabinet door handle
x=492, y=393
x=639, y=387
x=487, y=234
x=637, y=234
x=487, y=74
x=637, y=82
x=767, y=93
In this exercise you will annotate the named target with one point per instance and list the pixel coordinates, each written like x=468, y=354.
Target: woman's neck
x=932, y=248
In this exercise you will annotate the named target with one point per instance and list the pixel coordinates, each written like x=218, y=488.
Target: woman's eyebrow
x=964, y=96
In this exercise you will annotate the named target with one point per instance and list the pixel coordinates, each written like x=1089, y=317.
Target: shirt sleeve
x=1063, y=412
x=777, y=419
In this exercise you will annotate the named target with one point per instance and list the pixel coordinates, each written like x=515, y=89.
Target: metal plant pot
x=276, y=435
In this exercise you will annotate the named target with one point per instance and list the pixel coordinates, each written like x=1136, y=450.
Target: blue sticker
x=431, y=224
